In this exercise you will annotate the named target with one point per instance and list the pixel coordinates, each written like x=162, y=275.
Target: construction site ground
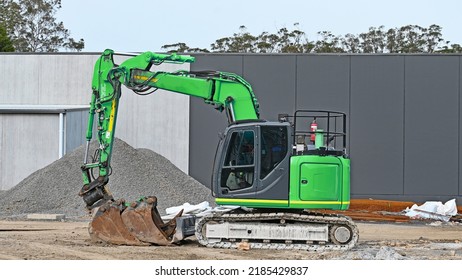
x=69, y=240
x=385, y=233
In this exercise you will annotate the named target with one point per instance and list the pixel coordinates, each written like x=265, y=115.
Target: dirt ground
x=70, y=241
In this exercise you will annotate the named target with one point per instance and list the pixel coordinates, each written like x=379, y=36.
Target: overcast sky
x=142, y=25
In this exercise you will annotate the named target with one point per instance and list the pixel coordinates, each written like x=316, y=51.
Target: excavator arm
x=116, y=221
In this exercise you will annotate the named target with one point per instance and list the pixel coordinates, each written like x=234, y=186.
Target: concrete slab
x=46, y=217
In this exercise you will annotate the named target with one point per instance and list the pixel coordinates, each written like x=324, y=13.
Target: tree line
x=405, y=39
x=31, y=26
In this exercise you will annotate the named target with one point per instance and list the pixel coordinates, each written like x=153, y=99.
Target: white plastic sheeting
x=198, y=210
x=434, y=210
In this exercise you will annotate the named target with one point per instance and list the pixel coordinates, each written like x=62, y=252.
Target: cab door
x=236, y=170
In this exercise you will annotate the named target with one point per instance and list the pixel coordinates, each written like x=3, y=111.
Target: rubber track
x=306, y=217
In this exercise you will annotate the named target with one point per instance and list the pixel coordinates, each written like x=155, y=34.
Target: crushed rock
x=446, y=246
x=357, y=255
x=388, y=253
x=136, y=173
x=371, y=253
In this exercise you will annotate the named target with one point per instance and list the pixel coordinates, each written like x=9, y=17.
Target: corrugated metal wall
x=75, y=129
x=404, y=115
x=24, y=147
x=33, y=136
x=159, y=122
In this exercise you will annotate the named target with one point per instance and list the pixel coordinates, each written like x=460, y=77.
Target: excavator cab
x=252, y=161
x=284, y=164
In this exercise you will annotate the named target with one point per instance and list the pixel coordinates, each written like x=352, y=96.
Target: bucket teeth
x=138, y=224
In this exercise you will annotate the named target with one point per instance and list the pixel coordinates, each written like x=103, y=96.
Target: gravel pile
x=136, y=172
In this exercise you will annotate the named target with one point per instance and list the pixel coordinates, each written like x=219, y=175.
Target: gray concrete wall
x=404, y=115
x=60, y=79
x=159, y=122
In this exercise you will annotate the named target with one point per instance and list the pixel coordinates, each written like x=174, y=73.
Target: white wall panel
x=159, y=121
x=19, y=79
x=65, y=79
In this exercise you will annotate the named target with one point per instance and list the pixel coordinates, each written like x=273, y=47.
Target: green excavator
x=279, y=172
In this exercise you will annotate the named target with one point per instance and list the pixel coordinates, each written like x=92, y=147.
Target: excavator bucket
x=143, y=220
x=107, y=226
x=138, y=224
